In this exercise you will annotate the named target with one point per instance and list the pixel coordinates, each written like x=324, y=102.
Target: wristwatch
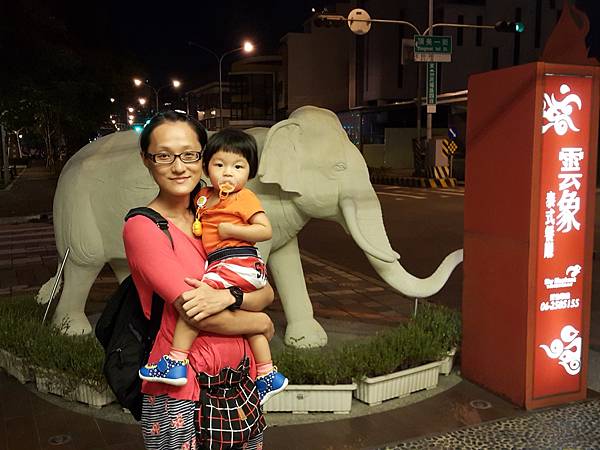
x=238, y=294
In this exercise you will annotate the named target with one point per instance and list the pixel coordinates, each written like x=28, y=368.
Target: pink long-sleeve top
x=156, y=266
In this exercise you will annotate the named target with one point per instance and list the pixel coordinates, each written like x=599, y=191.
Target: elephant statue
x=308, y=169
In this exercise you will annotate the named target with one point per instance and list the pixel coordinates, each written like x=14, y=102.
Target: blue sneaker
x=166, y=370
x=270, y=384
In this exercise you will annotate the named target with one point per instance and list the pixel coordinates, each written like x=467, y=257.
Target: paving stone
x=573, y=426
x=27, y=261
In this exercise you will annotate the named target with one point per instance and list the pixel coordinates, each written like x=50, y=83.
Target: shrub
x=80, y=358
x=441, y=323
x=423, y=339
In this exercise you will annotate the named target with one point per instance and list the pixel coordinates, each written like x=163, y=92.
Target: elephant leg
x=286, y=269
x=120, y=269
x=71, y=307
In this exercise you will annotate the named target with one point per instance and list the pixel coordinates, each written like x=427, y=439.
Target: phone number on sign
x=554, y=305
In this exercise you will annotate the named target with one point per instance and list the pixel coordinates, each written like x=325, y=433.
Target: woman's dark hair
x=235, y=141
x=171, y=116
x=174, y=116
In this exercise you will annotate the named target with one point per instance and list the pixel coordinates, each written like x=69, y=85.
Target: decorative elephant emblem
x=567, y=350
x=308, y=169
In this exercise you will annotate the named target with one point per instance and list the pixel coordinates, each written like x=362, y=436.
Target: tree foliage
x=50, y=83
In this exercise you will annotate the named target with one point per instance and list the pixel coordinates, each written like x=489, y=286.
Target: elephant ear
x=280, y=159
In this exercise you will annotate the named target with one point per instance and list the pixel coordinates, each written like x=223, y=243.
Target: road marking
x=398, y=194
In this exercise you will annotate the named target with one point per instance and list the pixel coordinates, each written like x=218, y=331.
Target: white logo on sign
x=568, y=281
x=569, y=356
x=558, y=113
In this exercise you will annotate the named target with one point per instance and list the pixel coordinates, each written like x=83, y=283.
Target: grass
x=79, y=358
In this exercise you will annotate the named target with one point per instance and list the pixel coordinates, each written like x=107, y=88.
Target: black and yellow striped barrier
x=438, y=172
x=421, y=182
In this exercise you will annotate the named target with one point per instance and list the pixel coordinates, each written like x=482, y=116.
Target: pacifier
x=197, y=225
x=225, y=189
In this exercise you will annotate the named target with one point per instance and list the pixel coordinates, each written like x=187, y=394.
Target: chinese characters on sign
x=561, y=230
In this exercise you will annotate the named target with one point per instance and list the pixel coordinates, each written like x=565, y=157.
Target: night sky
x=155, y=33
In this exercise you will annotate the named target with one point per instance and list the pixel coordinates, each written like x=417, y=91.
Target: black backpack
x=126, y=335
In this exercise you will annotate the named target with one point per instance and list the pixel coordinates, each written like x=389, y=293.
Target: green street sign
x=431, y=83
x=433, y=44
x=433, y=48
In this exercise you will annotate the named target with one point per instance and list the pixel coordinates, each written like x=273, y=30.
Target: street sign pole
x=431, y=87
x=429, y=116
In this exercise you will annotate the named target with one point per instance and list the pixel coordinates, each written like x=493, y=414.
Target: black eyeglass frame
x=152, y=157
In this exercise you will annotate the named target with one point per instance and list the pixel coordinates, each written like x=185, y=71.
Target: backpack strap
x=163, y=224
x=159, y=220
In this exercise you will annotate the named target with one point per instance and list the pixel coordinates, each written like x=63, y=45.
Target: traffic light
x=507, y=26
x=329, y=20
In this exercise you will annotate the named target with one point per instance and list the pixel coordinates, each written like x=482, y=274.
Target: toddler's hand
x=225, y=230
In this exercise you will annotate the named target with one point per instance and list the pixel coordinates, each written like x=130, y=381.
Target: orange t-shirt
x=237, y=208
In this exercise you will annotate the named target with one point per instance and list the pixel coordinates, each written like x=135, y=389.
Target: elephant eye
x=340, y=167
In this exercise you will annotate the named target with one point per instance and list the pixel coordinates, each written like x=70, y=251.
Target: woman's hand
x=204, y=301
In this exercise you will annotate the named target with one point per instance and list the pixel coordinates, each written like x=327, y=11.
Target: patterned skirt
x=168, y=424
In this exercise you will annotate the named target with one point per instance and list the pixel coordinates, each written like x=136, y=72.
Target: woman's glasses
x=169, y=158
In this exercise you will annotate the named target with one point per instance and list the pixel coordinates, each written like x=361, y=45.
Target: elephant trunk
x=367, y=229
x=405, y=283
x=369, y=219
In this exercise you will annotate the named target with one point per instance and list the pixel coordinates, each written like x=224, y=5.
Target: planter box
x=92, y=397
x=53, y=383
x=301, y=399
x=16, y=367
x=447, y=363
x=375, y=390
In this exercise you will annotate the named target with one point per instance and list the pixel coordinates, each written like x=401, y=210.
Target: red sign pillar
x=532, y=139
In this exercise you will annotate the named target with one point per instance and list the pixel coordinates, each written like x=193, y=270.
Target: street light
x=248, y=47
x=138, y=82
x=142, y=101
x=19, y=136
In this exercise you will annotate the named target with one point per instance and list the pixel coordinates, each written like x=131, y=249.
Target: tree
x=53, y=86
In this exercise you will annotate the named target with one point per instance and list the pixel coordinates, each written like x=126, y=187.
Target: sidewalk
x=348, y=304
x=29, y=195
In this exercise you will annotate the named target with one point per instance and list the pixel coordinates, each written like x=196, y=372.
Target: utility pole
x=5, y=169
x=429, y=114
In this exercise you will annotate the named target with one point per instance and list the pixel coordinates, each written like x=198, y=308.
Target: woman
x=170, y=148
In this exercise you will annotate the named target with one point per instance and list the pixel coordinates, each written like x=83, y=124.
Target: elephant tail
x=43, y=294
